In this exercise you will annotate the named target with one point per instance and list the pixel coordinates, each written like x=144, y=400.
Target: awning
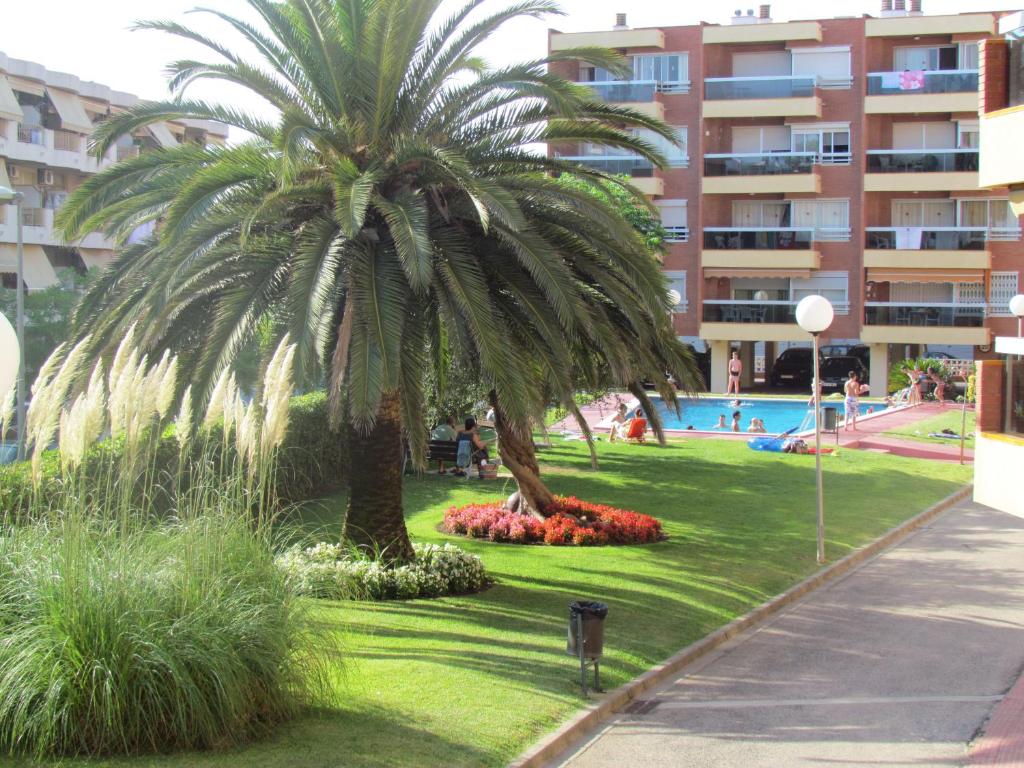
x=72, y=113
x=9, y=107
x=739, y=272
x=162, y=134
x=96, y=258
x=26, y=86
x=878, y=275
x=38, y=270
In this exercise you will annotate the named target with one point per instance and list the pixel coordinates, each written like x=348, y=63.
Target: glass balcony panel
x=758, y=164
x=778, y=87
x=921, y=160
x=629, y=165
x=33, y=217
x=616, y=91
x=764, y=238
x=723, y=311
x=907, y=83
x=936, y=239
x=935, y=315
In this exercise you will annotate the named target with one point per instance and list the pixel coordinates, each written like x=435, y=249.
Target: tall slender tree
x=392, y=207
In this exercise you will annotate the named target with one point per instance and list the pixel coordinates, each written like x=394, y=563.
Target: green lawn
x=473, y=680
x=951, y=419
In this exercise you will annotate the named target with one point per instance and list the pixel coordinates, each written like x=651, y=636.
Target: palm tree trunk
x=515, y=444
x=375, y=520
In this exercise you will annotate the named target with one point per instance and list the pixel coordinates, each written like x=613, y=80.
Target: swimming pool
x=778, y=414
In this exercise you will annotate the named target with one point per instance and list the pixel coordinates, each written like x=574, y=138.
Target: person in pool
x=721, y=422
x=736, y=421
x=756, y=426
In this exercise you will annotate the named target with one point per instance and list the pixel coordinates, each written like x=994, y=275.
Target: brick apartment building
x=832, y=156
x=45, y=121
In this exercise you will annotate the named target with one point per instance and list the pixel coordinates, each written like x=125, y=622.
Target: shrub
x=576, y=523
x=898, y=378
x=311, y=461
x=180, y=636
x=337, y=572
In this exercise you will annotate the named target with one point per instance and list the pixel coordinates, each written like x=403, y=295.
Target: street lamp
x=8, y=195
x=1017, y=308
x=814, y=314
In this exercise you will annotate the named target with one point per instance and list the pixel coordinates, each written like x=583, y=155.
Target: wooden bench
x=437, y=450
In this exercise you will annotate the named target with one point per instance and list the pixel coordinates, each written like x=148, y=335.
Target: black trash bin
x=830, y=419
x=586, y=616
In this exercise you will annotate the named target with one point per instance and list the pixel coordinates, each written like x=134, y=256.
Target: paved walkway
x=898, y=664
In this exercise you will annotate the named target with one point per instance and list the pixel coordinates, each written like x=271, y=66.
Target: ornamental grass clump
x=128, y=626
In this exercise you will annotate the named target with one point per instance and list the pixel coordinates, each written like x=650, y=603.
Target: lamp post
x=8, y=195
x=1017, y=308
x=814, y=314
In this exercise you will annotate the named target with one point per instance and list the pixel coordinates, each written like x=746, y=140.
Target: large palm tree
x=393, y=207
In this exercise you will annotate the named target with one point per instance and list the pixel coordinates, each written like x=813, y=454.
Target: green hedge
x=312, y=461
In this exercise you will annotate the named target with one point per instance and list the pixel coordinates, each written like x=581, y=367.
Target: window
x=994, y=215
x=831, y=142
x=830, y=66
x=834, y=286
x=754, y=214
x=968, y=55
x=673, y=219
x=9, y=280
x=759, y=139
x=930, y=59
x=670, y=70
x=677, y=283
x=830, y=219
x=677, y=155
x=967, y=134
x=938, y=135
x=1002, y=287
x=762, y=64
x=924, y=213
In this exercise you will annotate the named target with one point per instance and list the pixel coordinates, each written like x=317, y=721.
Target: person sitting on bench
x=444, y=431
x=470, y=448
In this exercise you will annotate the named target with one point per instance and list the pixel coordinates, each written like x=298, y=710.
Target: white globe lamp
x=814, y=314
x=1017, y=308
x=8, y=357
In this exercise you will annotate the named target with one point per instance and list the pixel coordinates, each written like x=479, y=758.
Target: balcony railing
x=30, y=134
x=33, y=217
x=921, y=160
x=66, y=141
x=624, y=90
x=916, y=314
x=757, y=238
x=730, y=311
x=677, y=234
x=926, y=239
x=758, y=163
x=909, y=83
x=766, y=87
x=630, y=165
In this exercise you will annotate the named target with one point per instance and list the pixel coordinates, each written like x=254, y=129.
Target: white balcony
x=37, y=229
x=55, y=149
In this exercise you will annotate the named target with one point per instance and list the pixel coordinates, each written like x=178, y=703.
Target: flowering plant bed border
x=576, y=523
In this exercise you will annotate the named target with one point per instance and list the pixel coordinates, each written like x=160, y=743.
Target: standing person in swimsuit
x=914, y=394
x=851, y=406
x=940, y=385
x=735, y=369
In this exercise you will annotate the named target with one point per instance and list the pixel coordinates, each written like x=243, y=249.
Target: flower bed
x=336, y=572
x=577, y=523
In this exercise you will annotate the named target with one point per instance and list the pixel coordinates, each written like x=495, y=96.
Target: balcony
x=627, y=165
x=921, y=170
x=731, y=320
x=759, y=248
x=20, y=143
x=66, y=141
x=779, y=32
x=640, y=95
x=33, y=217
x=30, y=134
x=938, y=91
x=896, y=322
x=768, y=96
x=615, y=38
x=921, y=26
x=927, y=248
x=750, y=172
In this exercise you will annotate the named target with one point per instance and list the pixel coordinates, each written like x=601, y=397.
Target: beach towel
x=912, y=80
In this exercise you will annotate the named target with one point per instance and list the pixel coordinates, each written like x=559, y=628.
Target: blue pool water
x=778, y=415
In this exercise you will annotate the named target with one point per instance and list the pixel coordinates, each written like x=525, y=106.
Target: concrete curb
x=554, y=744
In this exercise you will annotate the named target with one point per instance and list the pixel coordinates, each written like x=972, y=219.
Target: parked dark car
x=793, y=368
x=835, y=371
x=862, y=352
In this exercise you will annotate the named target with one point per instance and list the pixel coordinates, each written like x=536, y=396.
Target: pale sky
x=91, y=38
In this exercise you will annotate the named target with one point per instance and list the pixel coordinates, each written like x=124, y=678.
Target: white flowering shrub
x=336, y=572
